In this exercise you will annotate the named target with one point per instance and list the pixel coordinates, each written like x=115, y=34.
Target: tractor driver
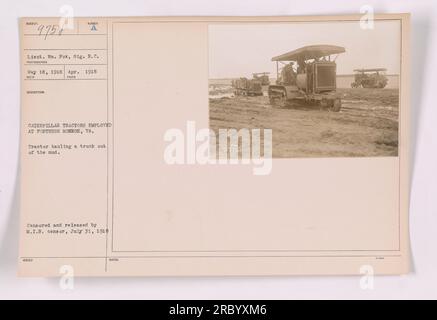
x=288, y=74
x=301, y=65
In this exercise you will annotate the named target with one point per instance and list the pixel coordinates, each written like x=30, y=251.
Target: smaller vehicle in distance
x=263, y=77
x=247, y=87
x=370, y=78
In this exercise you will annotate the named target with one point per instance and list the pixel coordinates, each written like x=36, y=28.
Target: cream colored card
x=130, y=128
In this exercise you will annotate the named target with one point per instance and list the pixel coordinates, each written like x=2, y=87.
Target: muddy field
x=366, y=126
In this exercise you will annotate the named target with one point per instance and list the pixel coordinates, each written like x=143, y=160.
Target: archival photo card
x=214, y=146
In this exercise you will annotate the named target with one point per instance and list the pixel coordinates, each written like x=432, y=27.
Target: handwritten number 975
x=50, y=29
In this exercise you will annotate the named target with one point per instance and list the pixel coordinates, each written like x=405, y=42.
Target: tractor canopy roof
x=310, y=52
x=370, y=70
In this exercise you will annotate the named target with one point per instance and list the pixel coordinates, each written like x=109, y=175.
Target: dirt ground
x=366, y=126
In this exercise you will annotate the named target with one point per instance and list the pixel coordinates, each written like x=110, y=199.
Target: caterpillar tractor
x=307, y=75
x=370, y=78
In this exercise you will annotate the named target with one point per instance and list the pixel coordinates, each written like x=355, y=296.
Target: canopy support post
x=277, y=70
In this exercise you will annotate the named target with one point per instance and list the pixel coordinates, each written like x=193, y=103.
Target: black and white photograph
x=326, y=89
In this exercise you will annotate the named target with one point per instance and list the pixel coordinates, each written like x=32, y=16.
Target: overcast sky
x=240, y=49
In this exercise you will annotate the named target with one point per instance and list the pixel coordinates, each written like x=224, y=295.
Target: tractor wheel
x=325, y=103
x=281, y=101
x=278, y=100
x=335, y=105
